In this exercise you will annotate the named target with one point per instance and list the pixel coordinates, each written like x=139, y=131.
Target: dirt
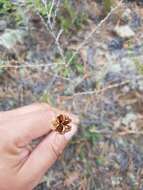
x=107, y=94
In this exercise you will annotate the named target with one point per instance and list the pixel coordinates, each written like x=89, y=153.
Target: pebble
x=130, y=117
x=115, y=68
x=140, y=85
x=126, y=16
x=126, y=89
x=140, y=2
x=124, y=31
x=115, y=44
x=10, y=37
x=136, y=21
x=3, y=25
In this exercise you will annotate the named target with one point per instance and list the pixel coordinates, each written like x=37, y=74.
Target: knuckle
x=18, y=141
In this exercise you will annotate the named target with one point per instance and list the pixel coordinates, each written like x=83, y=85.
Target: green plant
x=12, y=10
x=91, y=135
x=69, y=19
x=6, y=6
x=67, y=16
x=107, y=5
x=75, y=67
x=80, y=20
x=40, y=6
x=75, y=63
x=47, y=98
x=139, y=66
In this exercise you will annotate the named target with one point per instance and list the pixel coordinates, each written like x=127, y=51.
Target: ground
x=84, y=57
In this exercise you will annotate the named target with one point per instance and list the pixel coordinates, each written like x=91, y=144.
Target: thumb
x=45, y=154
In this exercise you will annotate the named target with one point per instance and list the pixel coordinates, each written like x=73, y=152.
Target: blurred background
x=83, y=56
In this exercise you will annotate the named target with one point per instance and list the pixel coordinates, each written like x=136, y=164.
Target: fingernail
x=71, y=133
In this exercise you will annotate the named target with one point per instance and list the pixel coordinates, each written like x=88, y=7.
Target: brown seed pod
x=61, y=124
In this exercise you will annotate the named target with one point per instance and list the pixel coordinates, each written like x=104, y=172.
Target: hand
x=21, y=168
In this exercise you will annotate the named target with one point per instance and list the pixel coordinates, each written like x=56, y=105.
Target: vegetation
x=107, y=5
x=67, y=18
x=70, y=19
x=6, y=6
x=139, y=66
x=43, y=9
x=9, y=8
x=75, y=67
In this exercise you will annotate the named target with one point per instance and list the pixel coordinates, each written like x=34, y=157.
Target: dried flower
x=61, y=124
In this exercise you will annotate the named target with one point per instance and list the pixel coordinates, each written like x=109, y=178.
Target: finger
x=12, y=114
x=31, y=126
x=46, y=154
x=38, y=107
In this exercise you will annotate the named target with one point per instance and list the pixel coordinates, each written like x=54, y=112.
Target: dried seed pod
x=61, y=124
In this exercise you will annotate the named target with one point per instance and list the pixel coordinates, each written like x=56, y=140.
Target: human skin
x=20, y=167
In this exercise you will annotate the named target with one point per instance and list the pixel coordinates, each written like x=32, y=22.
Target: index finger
x=11, y=114
x=35, y=124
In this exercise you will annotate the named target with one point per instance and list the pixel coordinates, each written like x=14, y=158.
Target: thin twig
x=103, y=89
x=95, y=30
x=123, y=133
x=49, y=14
x=51, y=25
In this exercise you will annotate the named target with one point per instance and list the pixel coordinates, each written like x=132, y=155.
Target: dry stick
x=123, y=133
x=116, y=85
x=35, y=66
x=95, y=30
x=103, y=89
x=51, y=29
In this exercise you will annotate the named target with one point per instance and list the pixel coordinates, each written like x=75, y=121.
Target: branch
x=95, y=30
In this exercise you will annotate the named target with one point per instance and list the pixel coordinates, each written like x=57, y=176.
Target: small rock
x=140, y=85
x=115, y=68
x=116, y=180
x=10, y=37
x=133, y=84
x=124, y=32
x=3, y=25
x=115, y=44
x=128, y=108
x=130, y=117
x=133, y=126
x=114, y=74
x=126, y=16
x=135, y=21
x=128, y=67
x=123, y=160
x=140, y=2
x=126, y=89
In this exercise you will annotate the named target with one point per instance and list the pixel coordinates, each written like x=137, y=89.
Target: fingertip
x=75, y=119
x=68, y=136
